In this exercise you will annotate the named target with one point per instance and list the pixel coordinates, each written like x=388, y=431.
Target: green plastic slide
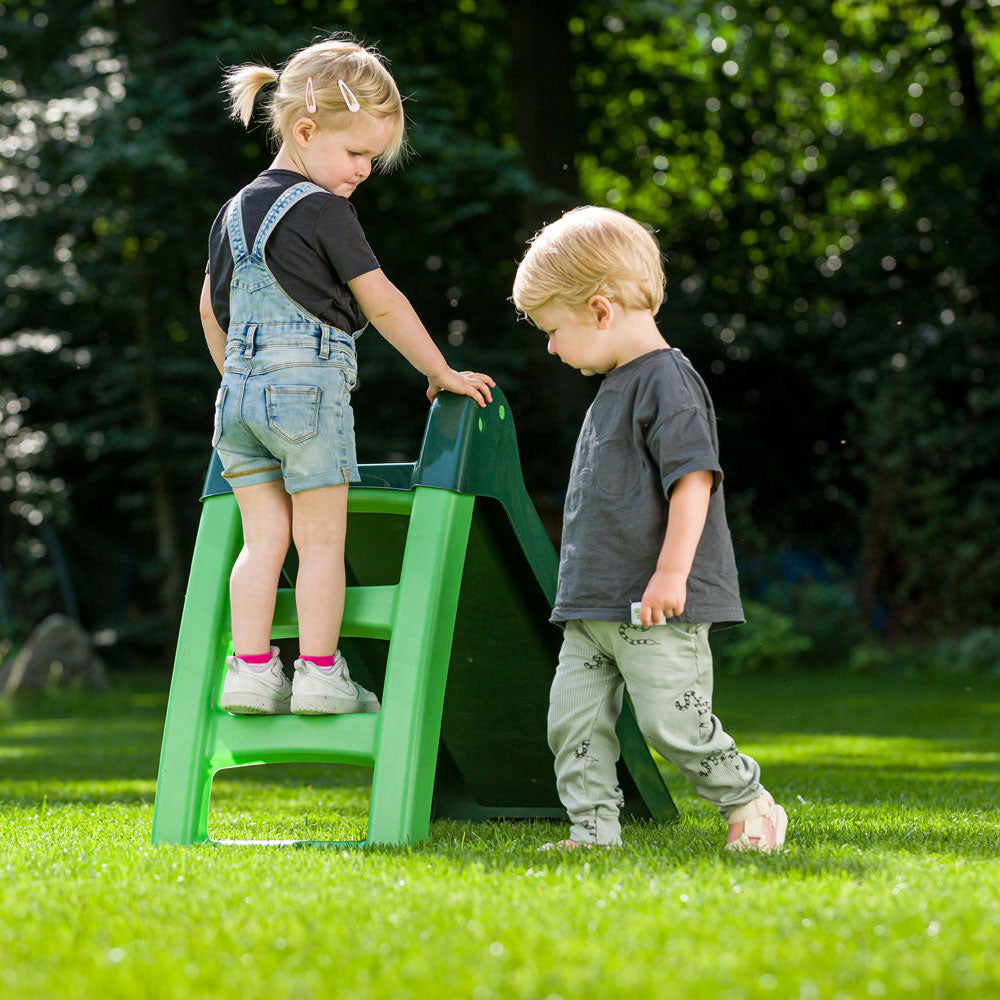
x=450, y=582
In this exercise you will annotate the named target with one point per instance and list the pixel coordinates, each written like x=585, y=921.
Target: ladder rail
x=416, y=616
x=183, y=786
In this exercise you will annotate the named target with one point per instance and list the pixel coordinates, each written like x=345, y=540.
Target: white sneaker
x=316, y=691
x=250, y=690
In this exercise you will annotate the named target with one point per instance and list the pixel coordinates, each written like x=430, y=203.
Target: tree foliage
x=822, y=176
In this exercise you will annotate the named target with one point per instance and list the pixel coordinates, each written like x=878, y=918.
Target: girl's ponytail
x=241, y=83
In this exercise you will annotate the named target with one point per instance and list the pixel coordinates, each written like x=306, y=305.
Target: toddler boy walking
x=644, y=523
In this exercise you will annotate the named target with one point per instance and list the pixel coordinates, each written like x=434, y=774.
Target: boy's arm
x=666, y=592
x=390, y=312
x=215, y=336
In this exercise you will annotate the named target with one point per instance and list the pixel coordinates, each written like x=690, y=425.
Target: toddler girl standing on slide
x=290, y=283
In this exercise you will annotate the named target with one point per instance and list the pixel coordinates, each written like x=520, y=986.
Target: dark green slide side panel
x=494, y=759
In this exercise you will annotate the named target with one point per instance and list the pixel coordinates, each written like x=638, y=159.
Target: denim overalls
x=284, y=407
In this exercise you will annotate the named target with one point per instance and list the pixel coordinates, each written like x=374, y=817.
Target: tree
x=822, y=177
x=808, y=167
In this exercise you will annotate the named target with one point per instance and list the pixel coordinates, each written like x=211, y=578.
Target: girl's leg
x=319, y=526
x=253, y=586
x=584, y=705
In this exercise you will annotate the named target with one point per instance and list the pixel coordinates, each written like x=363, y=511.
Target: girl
x=289, y=284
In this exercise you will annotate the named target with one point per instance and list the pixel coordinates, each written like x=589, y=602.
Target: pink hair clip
x=310, y=97
x=353, y=104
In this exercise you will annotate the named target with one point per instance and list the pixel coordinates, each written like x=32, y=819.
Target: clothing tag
x=637, y=611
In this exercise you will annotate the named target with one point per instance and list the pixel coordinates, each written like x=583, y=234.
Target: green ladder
x=445, y=557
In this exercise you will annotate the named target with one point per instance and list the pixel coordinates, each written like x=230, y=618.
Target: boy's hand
x=664, y=596
x=473, y=384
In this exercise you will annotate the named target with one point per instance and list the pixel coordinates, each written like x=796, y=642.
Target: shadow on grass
x=821, y=842
x=71, y=747
x=862, y=764
x=231, y=780
x=75, y=748
x=961, y=708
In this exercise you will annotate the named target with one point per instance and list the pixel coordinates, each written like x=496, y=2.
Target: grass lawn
x=889, y=884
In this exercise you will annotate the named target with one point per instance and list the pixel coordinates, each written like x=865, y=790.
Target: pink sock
x=326, y=662
x=255, y=659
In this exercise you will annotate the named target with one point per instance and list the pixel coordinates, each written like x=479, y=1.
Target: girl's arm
x=215, y=336
x=666, y=592
x=390, y=312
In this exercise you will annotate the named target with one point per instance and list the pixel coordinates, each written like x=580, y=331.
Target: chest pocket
x=616, y=469
x=616, y=464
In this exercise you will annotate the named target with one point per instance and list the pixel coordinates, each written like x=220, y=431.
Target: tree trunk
x=541, y=69
x=972, y=106
x=965, y=64
x=150, y=31
x=540, y=80
x=162, y=501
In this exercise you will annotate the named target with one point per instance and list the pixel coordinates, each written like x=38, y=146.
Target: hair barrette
x=353, y=104
x=310, y=97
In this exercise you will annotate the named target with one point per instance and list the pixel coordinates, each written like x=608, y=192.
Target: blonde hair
x=327, y=63
x=591, y=251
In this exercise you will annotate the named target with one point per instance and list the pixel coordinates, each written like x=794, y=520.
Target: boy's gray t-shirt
x=651, y=422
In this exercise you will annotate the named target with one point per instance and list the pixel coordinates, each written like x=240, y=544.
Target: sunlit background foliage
x=823, y=178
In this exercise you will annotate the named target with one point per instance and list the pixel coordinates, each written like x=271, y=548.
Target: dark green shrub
x=825, y=612
x=977, y=653
x=768, y=643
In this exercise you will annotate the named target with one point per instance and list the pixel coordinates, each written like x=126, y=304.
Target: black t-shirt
x=313, y=252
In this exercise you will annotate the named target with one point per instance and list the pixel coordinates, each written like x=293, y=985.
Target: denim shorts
x=283, y=411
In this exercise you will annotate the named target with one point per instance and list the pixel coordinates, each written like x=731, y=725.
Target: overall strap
x=277, y=211
x=234, y=226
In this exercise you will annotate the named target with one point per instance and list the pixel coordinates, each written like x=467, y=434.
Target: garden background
x=824, y=179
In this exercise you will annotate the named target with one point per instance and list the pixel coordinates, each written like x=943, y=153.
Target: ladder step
x=369, y=613
x=282, y=739
x=365, y=500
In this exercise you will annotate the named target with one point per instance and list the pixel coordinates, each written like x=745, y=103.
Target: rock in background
x=58, y=653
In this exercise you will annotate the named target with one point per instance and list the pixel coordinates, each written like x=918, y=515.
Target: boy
x=645, y=522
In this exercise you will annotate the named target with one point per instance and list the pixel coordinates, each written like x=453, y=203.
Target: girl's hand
x=664, y=597
x=473, y=384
